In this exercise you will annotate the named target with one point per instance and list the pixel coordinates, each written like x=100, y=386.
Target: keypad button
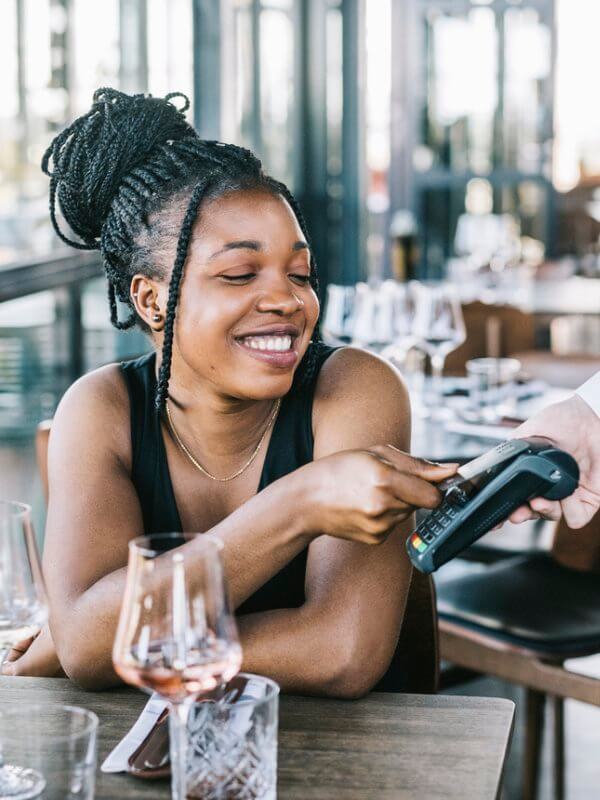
x=436, y=528
x=428, y=537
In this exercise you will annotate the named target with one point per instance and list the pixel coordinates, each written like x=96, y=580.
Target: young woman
x=241, y=424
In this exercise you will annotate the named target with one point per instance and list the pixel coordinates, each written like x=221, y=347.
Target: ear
x=149, y=297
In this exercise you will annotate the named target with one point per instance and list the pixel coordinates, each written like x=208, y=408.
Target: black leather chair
x=520, y=619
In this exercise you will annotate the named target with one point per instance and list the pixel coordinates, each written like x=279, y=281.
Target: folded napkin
x=118, y=759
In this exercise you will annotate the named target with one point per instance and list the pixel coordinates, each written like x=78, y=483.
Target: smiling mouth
x=269, y=344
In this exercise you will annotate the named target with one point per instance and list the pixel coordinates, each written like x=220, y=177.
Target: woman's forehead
x=256, y=215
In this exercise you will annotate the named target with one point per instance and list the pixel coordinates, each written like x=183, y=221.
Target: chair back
x=417, y=651
x=578, y=549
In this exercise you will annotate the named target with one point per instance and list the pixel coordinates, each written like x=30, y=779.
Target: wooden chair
x=520, y=620
x=418, y=643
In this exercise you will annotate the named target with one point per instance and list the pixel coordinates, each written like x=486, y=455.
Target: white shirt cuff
x=590, y=392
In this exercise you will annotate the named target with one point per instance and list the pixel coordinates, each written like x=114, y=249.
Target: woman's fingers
x=412, y=490
x=427, y=470
x=20, y=648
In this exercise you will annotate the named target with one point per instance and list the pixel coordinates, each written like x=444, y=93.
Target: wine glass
x=402, y=308
x=176, y=634
x=438, y=328
x=363, y=315
x=337, y=314
x=23, y=611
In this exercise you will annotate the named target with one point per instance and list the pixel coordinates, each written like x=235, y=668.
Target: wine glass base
x=20, y=783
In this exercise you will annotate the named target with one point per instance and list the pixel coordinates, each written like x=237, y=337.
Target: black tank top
x=290, y=446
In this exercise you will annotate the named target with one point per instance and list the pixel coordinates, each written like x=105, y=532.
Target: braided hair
x=119, y=175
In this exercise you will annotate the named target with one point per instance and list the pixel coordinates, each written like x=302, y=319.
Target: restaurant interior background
x=408, y=130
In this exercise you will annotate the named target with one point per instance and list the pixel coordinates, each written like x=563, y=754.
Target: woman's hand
x=362, y=495
x=35, y=656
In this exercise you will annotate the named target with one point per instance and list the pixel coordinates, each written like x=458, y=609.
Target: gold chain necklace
x=246, y=465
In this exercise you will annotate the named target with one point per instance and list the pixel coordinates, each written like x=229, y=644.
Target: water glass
x=491, y=381
x=233, y=742
x=23, y=604
x=51, y=750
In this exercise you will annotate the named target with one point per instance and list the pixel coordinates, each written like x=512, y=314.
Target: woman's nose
x=279, y=300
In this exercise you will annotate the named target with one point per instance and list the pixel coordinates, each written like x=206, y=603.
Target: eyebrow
x=252, y=244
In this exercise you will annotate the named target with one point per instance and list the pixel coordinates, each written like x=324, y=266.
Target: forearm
x=310, y=651
x=259, y=539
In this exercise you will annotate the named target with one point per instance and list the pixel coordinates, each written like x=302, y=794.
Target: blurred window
x=481, y=102
x=260, y=81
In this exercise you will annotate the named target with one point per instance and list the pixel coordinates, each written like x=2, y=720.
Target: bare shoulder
x=361, y=399
x=95, y=410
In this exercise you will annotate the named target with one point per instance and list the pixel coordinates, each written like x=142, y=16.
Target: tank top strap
x=149, y=467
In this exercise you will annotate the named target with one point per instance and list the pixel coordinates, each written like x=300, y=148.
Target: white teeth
x=271, y=343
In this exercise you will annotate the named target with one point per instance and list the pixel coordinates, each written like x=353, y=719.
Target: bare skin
x=360, y=490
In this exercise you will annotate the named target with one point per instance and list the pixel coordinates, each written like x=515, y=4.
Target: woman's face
x=246, y=310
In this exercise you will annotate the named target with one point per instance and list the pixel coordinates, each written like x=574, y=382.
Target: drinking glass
x=438, y=328
x=401, y=306
x=368, y=315
x=233, y=739
x=23, y=611
x=58, y=745
x=491, y=381
x=176, y=634
x=23, y=605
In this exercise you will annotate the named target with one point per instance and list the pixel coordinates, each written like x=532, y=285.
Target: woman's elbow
x=84, y=667
x=357, y=671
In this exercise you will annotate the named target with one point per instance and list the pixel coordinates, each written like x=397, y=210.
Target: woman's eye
x=238, y=278
x=303, y=279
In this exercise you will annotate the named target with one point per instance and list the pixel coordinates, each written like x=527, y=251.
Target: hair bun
x=92, y=156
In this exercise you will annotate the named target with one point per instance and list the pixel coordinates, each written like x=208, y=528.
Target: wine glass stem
x=178, y=748
x=437, y=369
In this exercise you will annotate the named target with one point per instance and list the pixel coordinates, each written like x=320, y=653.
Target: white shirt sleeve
x=590, y=392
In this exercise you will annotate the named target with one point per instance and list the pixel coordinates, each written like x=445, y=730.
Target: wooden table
x=384, y=746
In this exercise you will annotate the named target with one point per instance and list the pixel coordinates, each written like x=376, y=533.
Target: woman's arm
x=94, y=511
x=341, y=641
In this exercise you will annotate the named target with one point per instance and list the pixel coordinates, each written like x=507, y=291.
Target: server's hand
x=573, y=426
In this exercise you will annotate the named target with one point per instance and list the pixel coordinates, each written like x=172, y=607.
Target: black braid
x=185, y=234
x=120, y=175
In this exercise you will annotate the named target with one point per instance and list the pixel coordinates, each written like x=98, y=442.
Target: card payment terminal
x=485, y=492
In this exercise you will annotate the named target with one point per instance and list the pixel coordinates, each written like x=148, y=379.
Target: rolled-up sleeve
x=590, y=392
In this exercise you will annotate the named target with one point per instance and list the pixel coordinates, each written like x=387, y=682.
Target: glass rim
x=274, y=690
x=90, y=725
x=19, y=509
x=141, y=544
